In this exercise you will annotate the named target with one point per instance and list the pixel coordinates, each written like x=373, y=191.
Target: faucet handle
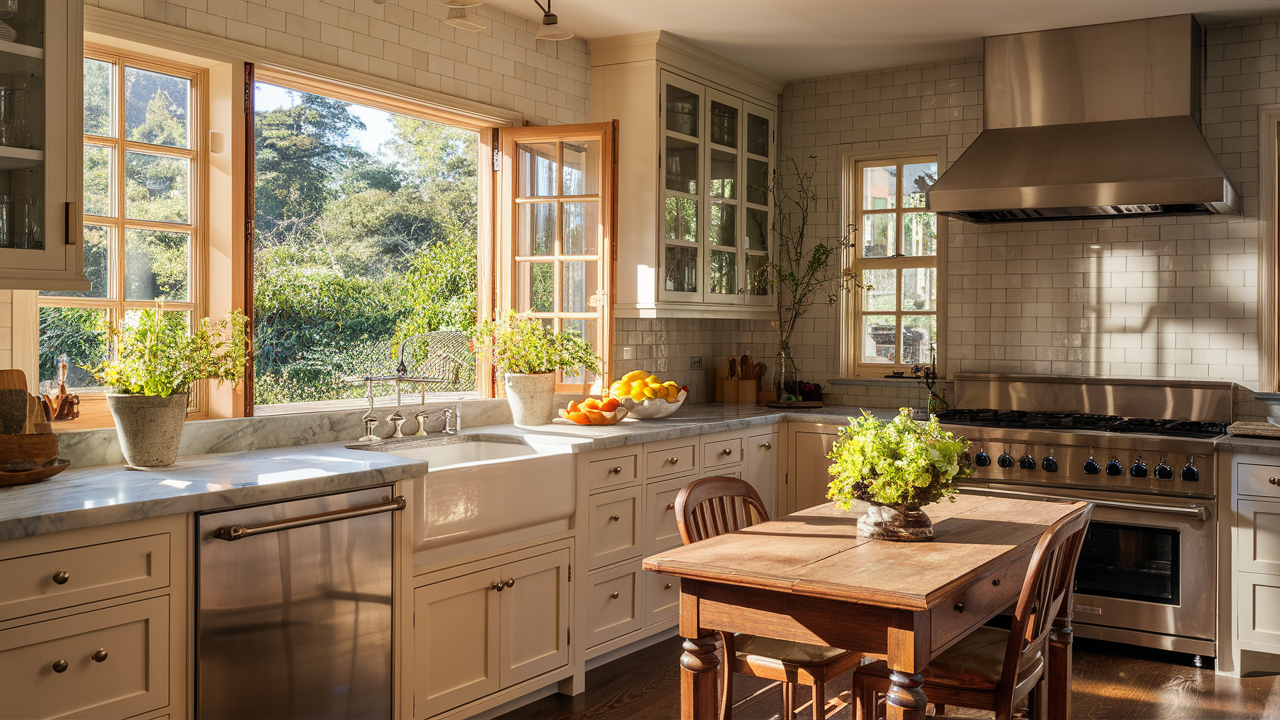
x=370, y=423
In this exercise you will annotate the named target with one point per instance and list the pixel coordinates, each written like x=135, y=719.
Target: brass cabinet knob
x=615, y=517
x=497, y=586
x=614, y=596
x=766, y=446
x=673, y=459
x=1273, y=481
x=615, y=470
x=667, y=586
x=510, y=582
x=959, y=607
x=62, y=576
x=671, y=506
x=726, y=451
x=60, y=666
x=100, y=655
x=995, y=583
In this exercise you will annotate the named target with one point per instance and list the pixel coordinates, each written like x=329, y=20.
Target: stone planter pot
x=532, y=397
x=906, y=523
x=149, y=427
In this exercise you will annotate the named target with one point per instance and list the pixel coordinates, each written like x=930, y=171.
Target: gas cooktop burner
x=1078, y=421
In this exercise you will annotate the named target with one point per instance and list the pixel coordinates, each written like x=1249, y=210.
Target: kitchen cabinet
x=807, y=477
x=760, y=466
x=697, y=148
x=41, y=132
x=1250, y=573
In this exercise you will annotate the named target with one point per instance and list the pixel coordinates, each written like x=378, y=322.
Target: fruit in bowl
x=595, y=411
x=647, y=396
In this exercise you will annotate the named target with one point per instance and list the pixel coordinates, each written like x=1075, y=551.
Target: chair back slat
x=1045, y=591
x=714, y=506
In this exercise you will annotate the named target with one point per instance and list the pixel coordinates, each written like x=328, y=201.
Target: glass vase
x=786, y=377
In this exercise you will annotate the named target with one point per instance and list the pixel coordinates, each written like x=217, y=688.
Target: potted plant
x=896, y=467
x=529, y=353
x=157, y=358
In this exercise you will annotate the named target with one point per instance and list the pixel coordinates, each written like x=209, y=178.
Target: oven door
x=1148, y=565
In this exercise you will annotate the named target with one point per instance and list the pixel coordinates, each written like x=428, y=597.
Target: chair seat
x=789, y=653
x=974, y=663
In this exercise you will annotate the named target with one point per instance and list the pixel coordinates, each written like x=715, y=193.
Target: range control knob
x=1091, y=466
x=1113, y=468
x=1163, y=471
x=1049, y=463
x=1138, y=469
x=1026, y=462
x=1189, y=471
x=1005, y=460
x=982, y=459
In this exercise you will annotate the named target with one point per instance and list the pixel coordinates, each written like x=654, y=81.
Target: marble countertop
x=1242, y=444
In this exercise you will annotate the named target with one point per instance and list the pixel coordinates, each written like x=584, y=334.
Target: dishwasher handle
x=1191, y=509
x=240, y=532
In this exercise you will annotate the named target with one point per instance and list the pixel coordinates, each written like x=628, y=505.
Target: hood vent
x=1089, y=122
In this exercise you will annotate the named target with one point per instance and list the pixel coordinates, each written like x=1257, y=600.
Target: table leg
x=698, y=678
x=907, y=656
x=1059, y=670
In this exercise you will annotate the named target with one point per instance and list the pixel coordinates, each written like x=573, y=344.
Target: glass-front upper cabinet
x=683, y=187
x=758, y=145
x=41, y=121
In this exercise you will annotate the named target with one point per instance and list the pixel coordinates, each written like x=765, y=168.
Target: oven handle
x=1193, y=510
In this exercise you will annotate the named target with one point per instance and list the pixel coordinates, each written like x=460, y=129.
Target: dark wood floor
x=1110, y=681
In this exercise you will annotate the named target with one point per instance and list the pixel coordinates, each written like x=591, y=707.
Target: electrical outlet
x=627, y=353
x=695, y=363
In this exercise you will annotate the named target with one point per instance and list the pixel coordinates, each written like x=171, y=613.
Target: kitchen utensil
x=32, y=476
x=35, y=415
x=761, y=369
x=744, y=367
x=733, y=368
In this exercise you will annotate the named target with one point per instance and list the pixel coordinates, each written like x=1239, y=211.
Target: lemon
x=637, y=394
x=634, y=375
x=624, y=389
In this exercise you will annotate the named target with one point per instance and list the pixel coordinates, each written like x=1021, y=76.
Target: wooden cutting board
x=1254, y=429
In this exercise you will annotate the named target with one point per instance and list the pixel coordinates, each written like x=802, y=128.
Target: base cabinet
x=807, y=477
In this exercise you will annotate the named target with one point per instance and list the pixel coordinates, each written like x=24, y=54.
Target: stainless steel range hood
x=1089, y=122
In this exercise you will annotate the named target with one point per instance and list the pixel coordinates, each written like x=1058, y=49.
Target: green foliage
x=441, y=288
x=902, y=462
x=156, y=355
x=525, y=345
x=76, y=333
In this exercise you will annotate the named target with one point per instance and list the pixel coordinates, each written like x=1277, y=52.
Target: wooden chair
x=994, y=669
x=713, y=506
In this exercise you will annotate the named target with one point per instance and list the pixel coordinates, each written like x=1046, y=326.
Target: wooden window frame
x=93, y=410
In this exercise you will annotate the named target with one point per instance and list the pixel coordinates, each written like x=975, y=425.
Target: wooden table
x=809, y=578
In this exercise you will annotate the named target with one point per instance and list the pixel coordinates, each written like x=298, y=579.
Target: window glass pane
x=682, y=166
x=757, y=181
x=157, y=188
x=879, y=290
x=916, y=181
x=724, y=174
x=581, y=167
x=879, y=339
x=724, y=125
x=97, y=265
x=682, y=111
x=537, y=287
x=97, y=98
x=758, y=274
x=156, y=265
x=581, y=228
x=919, y=234
x=724, y=223
x=757, y=229
x=682, y=219
x=919, y=289
x=879, y=238
x=76, y=333
x=919, y=333
x=577, y=285
x=586, y=329
x=156, y=108
x=537, y=163
x=757, y=135
x=537, y=229
x=681, y=269
x=724, y=272
x=879, y=187
x=97, y=181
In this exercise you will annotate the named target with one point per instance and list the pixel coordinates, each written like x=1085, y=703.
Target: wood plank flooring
x=1110, y=681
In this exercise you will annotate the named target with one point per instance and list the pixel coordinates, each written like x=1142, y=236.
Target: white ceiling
x=794, y=39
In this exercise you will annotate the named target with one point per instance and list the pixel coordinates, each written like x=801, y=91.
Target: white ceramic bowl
x=655, y=407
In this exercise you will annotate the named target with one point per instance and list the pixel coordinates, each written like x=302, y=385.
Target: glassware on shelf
x=26, y=222
x=13, y=124
x=6, y=235
x=8, y=8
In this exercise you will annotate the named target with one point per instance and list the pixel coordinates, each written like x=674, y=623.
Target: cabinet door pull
x=995, y=583
x=726, y=451
x=614, y=596
x=766, y=446
x=69, y=224
x=511, y=582
x=959, y=607
x=673, y=460
x=667, y=586
x=615, y=518
x=1273, y=481
x=671, y=506
x=497, y=586
x=59, y=666
x=100, y=655
x=61, y=577
x=615, y=470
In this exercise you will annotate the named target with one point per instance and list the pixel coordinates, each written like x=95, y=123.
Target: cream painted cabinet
x=1251, y=572
x=476, y=633
x=807, y=477
x=41, y=131
x=697, y=139
x=760, y=468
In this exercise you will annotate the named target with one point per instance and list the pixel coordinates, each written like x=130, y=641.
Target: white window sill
x=877, y=382
x=318, y=406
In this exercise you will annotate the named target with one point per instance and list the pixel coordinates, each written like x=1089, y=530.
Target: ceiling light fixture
x=550, y=30
x=463, y=19
x=461, y=3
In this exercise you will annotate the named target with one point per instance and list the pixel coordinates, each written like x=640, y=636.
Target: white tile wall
x=6, y=328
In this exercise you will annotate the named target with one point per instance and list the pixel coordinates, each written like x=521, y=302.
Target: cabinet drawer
x=661, y=598
x=614, y=519
x=611, y=471
x=132, y=678
x=1258, y=602
x=661, y=531
x=1263, y=480
x=48, y=581
x=1259, y=536
x=721, y=452
x=994, y=591
x=679, y=459
x=615, y=602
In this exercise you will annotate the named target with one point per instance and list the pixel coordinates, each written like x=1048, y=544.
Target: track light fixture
x=462, y=17
x=550, y=30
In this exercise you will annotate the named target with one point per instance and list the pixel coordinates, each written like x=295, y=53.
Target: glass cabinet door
x=683, y=188
x=758, y=205
x=724, y=201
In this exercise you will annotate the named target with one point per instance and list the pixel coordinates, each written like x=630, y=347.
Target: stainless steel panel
x=1172, y=643
x=1160, y=399
x=296, y=623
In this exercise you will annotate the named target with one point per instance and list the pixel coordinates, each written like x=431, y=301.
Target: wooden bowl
x=30, y=451
x=33, y=476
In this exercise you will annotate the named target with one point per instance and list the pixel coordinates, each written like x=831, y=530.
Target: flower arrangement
x=159, y=355
x=898, y=463
x=524, y=345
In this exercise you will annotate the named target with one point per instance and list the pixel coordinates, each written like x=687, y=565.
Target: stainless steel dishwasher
x=293, y=608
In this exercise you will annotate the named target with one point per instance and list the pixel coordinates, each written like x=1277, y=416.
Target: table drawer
x=992, y=592
x=661, y=598
x=49, y=581
x=721, y=452
x=672, y=460
x=661, y=531
x=615, y=602
x=611, y=471
x=132, y=677
x=615, y=516
x=1262, y=480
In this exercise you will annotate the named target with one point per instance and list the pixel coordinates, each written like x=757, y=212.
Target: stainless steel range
x=1144, y=453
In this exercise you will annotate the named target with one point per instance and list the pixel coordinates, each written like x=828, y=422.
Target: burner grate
x=1023, y=419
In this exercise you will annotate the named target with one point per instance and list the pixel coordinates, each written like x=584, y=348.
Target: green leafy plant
x=901, y=462
x=156, y=354
x=525, y=345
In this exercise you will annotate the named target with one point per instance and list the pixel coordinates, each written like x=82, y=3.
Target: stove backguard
x=1161, y=399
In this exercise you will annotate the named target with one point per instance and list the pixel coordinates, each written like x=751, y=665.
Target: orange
x=573, y=406
x=609, y=405
x=596, y=417
x=590, y=404
x=579, y=418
